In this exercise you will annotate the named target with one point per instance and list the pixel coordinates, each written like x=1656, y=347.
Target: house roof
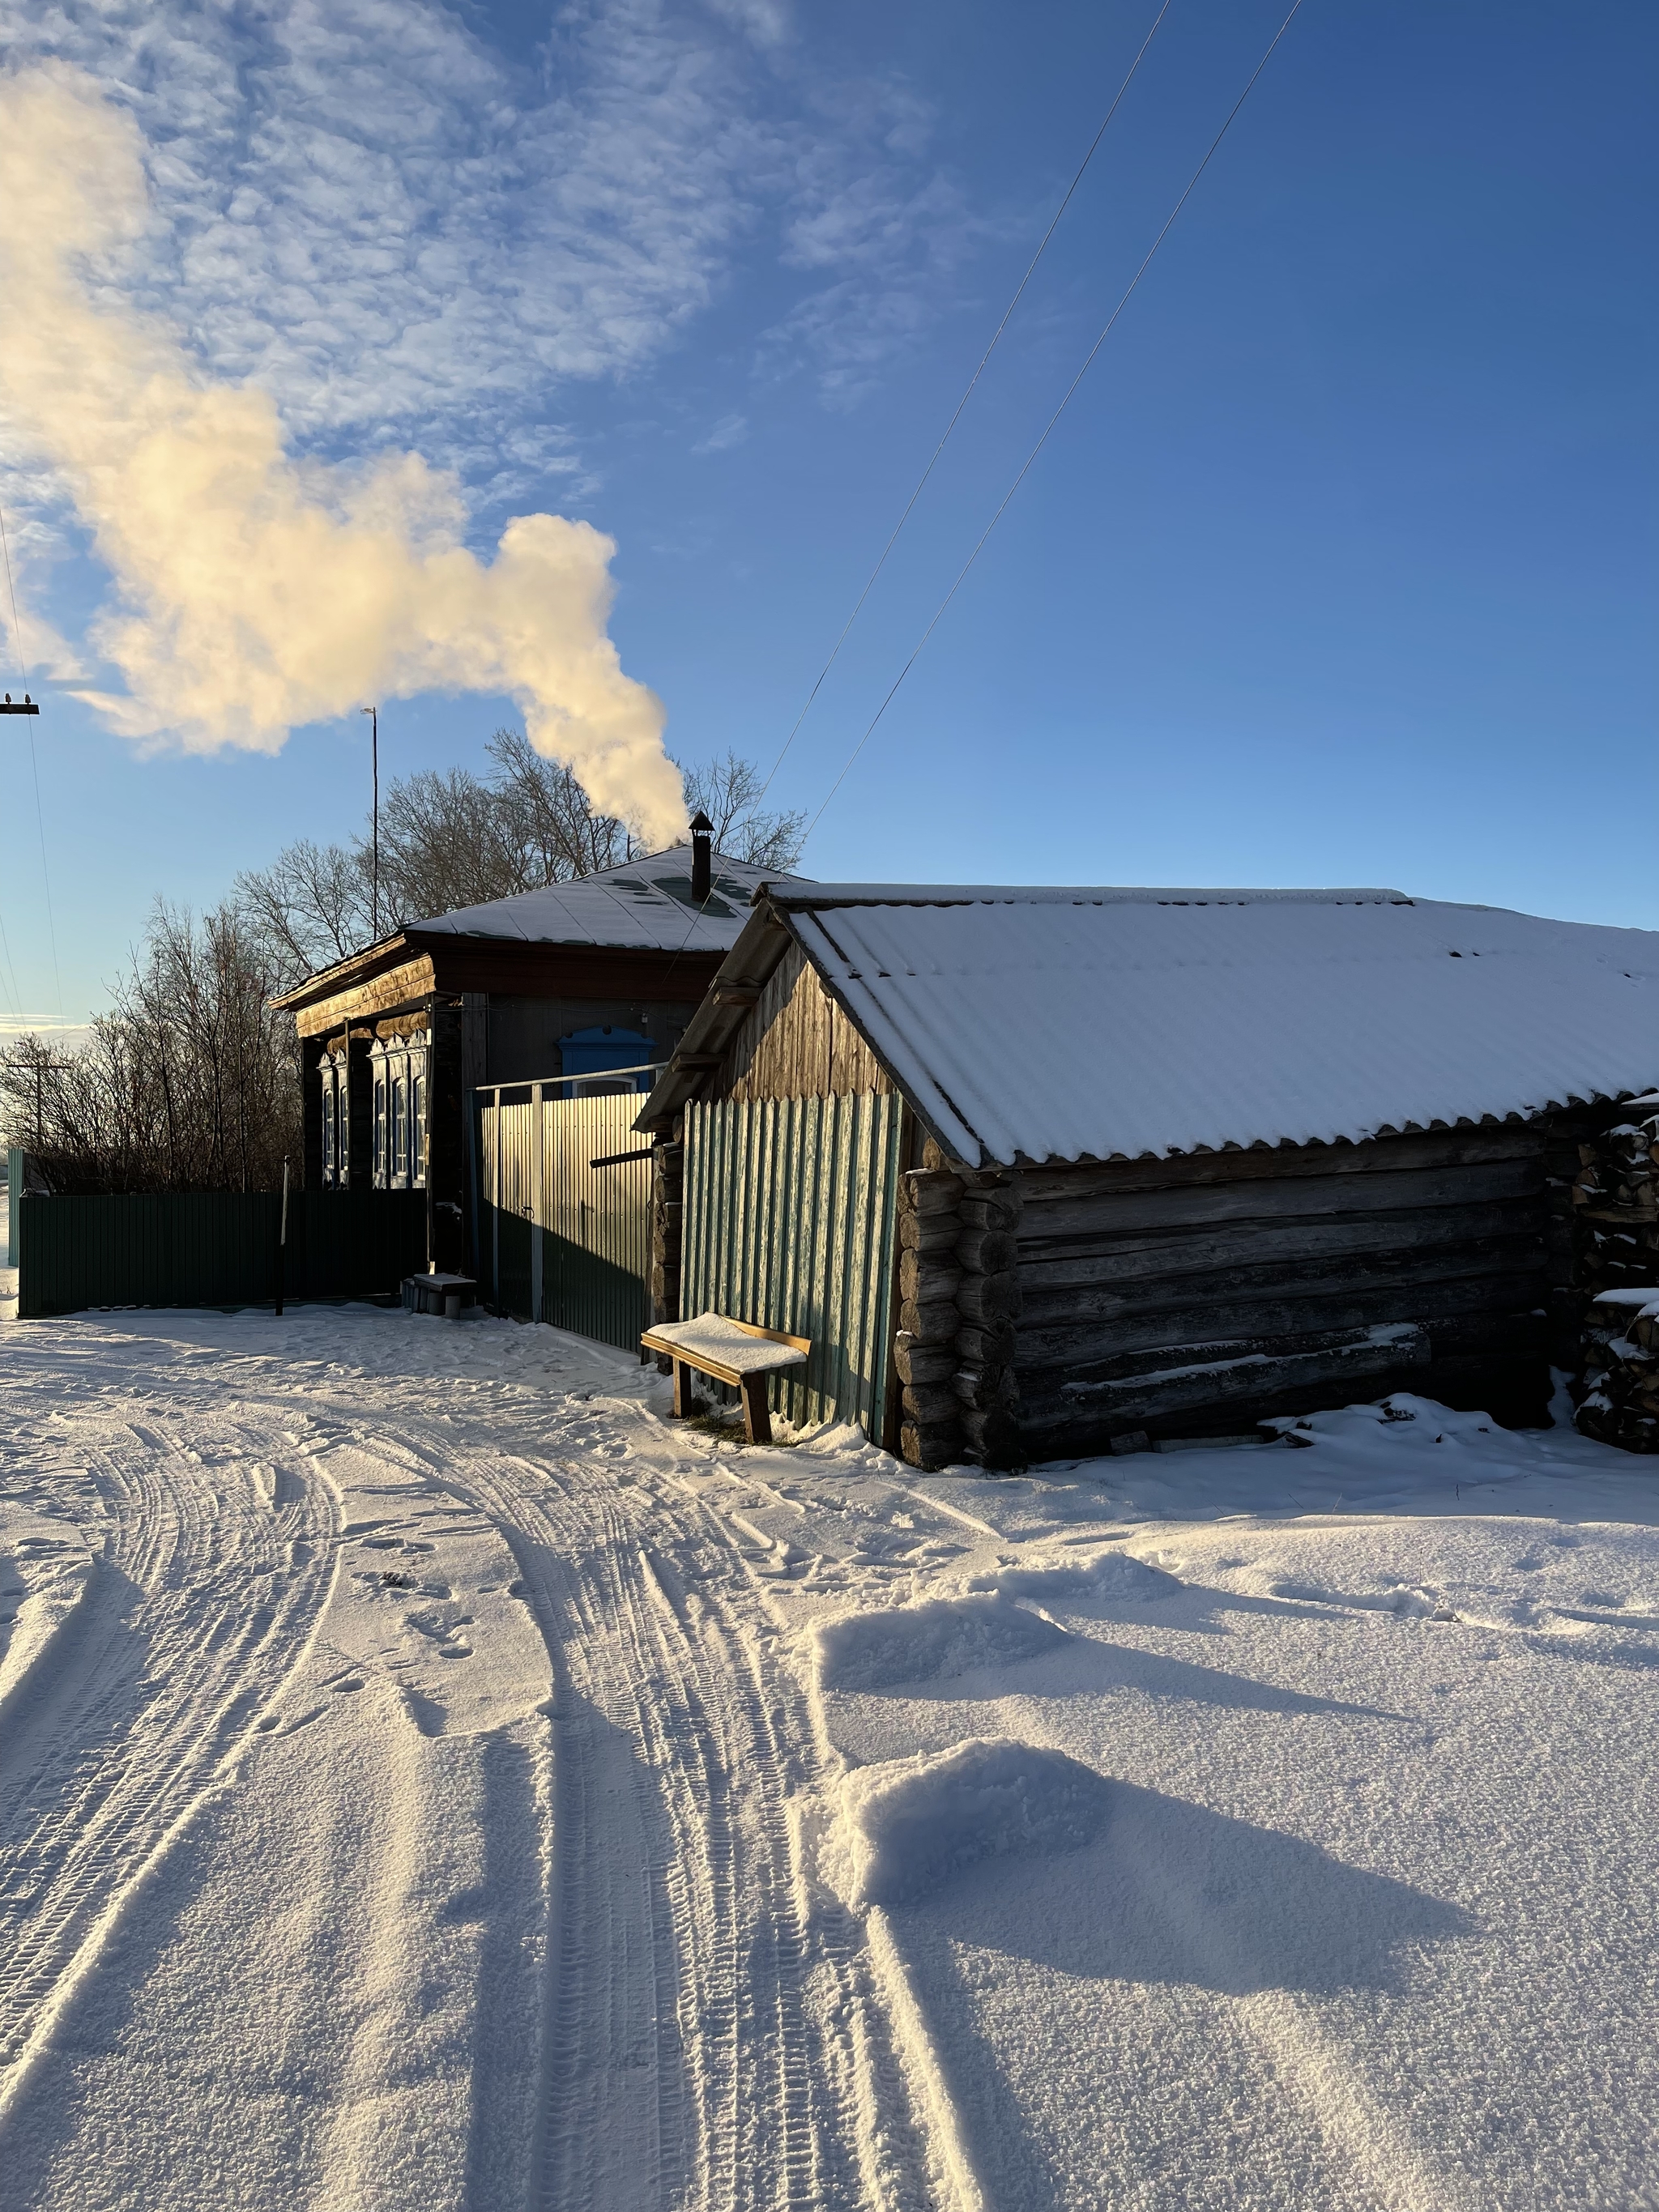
x=1068, y=1023
x=643, y=903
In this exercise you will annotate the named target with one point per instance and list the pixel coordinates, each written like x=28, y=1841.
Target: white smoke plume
x=258, y=593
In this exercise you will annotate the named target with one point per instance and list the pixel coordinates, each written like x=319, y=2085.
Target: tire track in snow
x=196, y=1616
x=714, y=2038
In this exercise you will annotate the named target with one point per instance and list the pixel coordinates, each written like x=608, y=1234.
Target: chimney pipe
x=702, y=832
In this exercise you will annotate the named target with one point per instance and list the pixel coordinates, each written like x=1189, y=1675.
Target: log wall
x=1193, y=1296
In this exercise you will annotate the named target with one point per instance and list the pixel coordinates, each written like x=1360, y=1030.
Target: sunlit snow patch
x=1109, y=1576
x=908, y=1824
x=944, y=1636
x=1405, y=1422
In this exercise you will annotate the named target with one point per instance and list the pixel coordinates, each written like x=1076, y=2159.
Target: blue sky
x=1337, y=568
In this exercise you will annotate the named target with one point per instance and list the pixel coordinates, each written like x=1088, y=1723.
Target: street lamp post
x=374, y=715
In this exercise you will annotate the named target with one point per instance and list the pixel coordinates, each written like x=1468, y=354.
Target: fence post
x=282, y=1238
x=537, y=1173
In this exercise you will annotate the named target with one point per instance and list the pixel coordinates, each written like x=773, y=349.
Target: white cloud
x=256, y=591
x=731, y=430
x=394, y=232
x=889, y=233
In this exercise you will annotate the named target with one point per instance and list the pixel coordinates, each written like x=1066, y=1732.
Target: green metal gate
x=788, y=1222
x=563, y=1241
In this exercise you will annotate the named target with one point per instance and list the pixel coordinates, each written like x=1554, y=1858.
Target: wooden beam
x=1283, y=1199
x=1191, y=1380
x=1197, y=1249
x=1434, y=1148
x=1084, y=1347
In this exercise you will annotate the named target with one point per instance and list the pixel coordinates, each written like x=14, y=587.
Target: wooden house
x=1042, y=1171
x=587, y=982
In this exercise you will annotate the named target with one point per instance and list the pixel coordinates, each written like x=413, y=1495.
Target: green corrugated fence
x=213, y=1248
x=563, y=1241
x=788, y=1222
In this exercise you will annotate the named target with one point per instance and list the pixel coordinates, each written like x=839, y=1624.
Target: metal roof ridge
x=795, y=893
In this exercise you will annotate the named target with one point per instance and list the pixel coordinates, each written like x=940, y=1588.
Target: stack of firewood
x=1616, y=1201
x=1615, y=1267
x=1621, y=1370
x=667, y=1196
x=959, y=1299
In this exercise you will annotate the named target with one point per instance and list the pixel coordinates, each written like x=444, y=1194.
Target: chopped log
x=924, y=1276
x=987, y=1298
x=991, y=1344
x=933, y=1323
x=987, y=1251
x=931, y=1405
x=922, y=1363
x=994, y=1439
x=928, y=1232
x=927, y=1448
x=985, y=1387
x=930, y=1191
x=990, y=1209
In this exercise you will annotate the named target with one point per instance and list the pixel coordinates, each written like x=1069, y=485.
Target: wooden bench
x=430, y=1294
x=734, y=1352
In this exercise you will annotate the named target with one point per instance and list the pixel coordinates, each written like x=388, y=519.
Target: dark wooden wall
x=1129, y=1272
x=796, y=1043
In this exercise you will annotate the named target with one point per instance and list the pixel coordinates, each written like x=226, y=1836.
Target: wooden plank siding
x=1128, y=1269
x=797, y=1043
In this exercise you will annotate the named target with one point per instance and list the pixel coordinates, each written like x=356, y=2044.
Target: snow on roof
x=644, y=903
x=1065, y=1024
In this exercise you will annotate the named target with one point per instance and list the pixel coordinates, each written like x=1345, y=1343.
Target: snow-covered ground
x=433, y=1778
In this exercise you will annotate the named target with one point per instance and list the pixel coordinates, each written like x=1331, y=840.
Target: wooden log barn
x=581, y=981
x=1043, y=1171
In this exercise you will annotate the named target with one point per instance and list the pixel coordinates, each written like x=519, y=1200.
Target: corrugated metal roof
x=1068, y=1023
x=644, y=903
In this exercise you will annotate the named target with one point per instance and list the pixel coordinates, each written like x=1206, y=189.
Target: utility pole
x=373, y=715
x=42, y=1069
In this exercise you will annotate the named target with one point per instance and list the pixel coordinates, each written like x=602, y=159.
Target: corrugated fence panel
x=788, y=1222
x=563, y=1241
x=213, y=1248
x=596, y=1221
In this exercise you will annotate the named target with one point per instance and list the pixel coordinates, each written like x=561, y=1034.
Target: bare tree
x=461, y=840
x=559, y=836
x=189, y=1083
x=729, y=791
x=311, y=906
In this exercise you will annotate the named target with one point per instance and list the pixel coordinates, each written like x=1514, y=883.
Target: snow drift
x=1109, y=1576
x=942, y=1638
x=909, y=1824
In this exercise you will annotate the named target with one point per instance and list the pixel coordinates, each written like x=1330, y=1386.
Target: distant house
x=587, y=982
x=1043, y=1170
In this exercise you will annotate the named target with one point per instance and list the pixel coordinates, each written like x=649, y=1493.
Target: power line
x=35, y=770
x=1048, y=428
x=5, y=948
x=921, y=481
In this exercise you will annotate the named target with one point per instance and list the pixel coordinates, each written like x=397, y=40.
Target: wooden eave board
x=395, y=991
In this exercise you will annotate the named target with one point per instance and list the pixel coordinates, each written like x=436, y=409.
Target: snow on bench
x=735, y=1352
